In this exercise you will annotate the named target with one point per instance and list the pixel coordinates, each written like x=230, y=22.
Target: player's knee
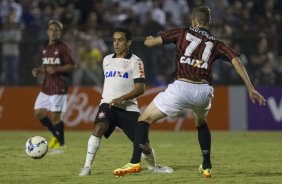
x=200, y=122
x=57, y=119
x=39, y=114
x=145, y=119
x=99, y=129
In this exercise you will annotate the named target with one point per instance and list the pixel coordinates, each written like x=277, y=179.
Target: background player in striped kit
x=196, y=50
x=56, y=65
x=124, y=82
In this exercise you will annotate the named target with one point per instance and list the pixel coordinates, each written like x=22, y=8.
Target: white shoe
x=160, y=169
x=85, y=171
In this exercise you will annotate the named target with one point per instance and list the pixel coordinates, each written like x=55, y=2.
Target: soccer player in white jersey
x=124, y=81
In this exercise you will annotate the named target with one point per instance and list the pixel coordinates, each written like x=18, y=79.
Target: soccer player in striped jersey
x=124, y=82
x=196, y=50
x=56, y=66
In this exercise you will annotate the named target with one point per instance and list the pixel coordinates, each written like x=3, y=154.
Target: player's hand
x=256, y=96
x=35, y=72
x=51, y=69
x=147, y=41
x=151, y=41
x=116, y=101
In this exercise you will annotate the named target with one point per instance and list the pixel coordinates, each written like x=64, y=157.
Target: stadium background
x=252, y=27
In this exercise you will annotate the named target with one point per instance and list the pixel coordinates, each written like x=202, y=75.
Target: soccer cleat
x=53, y=142
x=85, y=171
x=56, y=145
x=127, y=169
x=160, y=169
x=57, y=149
x=205, y=172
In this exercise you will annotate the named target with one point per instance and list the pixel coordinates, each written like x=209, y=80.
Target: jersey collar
x=128, y=56
x=206, y=30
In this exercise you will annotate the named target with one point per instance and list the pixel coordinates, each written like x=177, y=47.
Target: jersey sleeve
x=225, y=52
x=138, y=71
x=66, y=55
x=103, y=64
x=171, y=36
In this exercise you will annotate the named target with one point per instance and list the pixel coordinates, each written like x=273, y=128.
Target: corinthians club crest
x=101, y=115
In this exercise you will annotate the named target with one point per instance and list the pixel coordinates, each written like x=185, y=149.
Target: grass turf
x=237, y=157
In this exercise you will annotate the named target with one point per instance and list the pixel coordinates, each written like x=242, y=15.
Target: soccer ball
x=36, y=147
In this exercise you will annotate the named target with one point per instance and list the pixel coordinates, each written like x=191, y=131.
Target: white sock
x=150, y=158
x=93, y=146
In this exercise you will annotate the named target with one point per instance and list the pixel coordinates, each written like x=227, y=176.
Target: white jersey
x=120, y=75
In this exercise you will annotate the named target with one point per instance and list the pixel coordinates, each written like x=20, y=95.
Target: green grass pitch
x=237, y=157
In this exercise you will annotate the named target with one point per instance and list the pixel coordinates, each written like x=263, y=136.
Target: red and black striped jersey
x=56, y=54
x=196, y=50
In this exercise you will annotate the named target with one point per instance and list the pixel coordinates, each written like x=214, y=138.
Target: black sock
x=60, y=132
x=140, y=138
x=204, y=137
x=47, y=123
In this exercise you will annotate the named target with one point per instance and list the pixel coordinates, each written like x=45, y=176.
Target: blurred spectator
x=158, y=14
x=262, y=64
x=218, y=9
x=278, y=72
x=176, y=8
x=90, y=52
x=8, y=6
x=234, y=20
x=194, y=3
x=70, y=15
x=117, y=16
x=141, y=9
x=32, y=15
x=151, y=27
x=10, y=37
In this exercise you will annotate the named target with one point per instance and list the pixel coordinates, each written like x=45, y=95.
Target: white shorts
x=53, y=103
x=180, y=95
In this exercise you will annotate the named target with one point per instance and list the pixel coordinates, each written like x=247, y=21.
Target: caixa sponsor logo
x=116, y=74
x=194, y=62
x=51, y=61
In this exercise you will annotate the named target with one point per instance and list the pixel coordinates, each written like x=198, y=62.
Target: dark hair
x=126, y=30
x=202, y=15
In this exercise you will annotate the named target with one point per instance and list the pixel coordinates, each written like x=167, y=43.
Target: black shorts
x=117, y=117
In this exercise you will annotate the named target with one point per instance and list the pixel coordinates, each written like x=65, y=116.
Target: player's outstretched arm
x=151, y=41
x=254, y=94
